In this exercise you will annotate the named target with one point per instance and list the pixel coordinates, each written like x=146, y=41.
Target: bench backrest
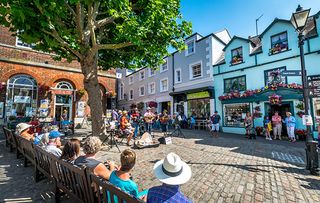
x=106, y=192
x=43, y=160
x=9, y=135
x=28, y=150
x=72, y=180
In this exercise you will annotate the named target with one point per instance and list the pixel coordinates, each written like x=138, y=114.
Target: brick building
x=31, y=82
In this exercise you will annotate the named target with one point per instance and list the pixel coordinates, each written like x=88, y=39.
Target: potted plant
x=259, y=130
x=301, y=134
x=300, y=106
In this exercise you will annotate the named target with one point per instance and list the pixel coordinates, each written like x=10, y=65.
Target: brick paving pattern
x=225, y=169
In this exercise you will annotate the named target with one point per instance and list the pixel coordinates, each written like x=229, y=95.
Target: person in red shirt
x=126, y=127
x=35, y=125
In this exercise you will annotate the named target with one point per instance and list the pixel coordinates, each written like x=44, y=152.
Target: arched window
x=64, y=85
x=22, y=96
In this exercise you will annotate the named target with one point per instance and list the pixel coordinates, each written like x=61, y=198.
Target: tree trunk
x=91, y=85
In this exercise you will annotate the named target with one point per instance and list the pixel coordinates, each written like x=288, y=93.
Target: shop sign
x=314, y=85
x=291, y=73
x=81, y=108
x=22, y=99
x=307, y=120
x=198, y=95
x=68, y=92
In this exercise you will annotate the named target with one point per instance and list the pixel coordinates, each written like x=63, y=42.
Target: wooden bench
x=27, y=151
x=16, y=142
x=9, y=139
x=106, y=191
x=43, y=162
x=72, y=180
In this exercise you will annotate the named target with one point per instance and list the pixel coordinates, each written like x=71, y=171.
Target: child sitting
x=267, y=127
x=122, y=178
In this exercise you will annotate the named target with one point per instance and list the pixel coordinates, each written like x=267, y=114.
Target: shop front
x=261, y=102
x=198, y=104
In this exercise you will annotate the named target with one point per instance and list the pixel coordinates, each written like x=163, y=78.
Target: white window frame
x=144, y=73
x=121, y=92
x=176, y=76
x=131, y=80
x=144, y=91
x=162, y=90
x=161, y=70
x=26, y=46
x=154, y=72
x=149, y=89
x=130, y=94
x=191, y=71
x=194, y=47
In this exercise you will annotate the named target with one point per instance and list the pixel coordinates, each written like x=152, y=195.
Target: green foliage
x=136, y=32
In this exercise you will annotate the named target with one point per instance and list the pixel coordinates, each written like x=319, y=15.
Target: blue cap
x=54, y=134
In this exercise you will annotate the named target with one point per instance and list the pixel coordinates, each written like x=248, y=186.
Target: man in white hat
x=22, y=129
x=172, y=172
x=148, y=118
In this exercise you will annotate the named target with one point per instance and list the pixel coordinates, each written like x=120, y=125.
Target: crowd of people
x=273, y=125
x=171, y=171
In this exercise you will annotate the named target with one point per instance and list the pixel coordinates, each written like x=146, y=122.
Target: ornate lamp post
x=299, y=20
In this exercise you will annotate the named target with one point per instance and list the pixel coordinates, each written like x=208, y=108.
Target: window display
x=200, y=108
x=22, y=96
x=316, y=109
x=234, y=114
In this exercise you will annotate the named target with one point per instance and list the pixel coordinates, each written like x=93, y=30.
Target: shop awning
x=209, y=89
x=264, y=96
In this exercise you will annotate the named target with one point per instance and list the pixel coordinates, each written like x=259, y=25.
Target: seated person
x=43, y=138
x=54, y=143
x=23, y=129
x=126, y=127
x=91, y=146
x=122, y=177
x=172, y=172
x=35, y=125
x=71, y=150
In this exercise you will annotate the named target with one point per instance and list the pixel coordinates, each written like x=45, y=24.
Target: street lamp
x=299, y=21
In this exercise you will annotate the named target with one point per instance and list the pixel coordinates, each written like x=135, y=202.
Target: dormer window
x=190, y=47
x=236, y=56
x=279, y=43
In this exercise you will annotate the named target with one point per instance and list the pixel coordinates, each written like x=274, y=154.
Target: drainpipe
x=173, y=99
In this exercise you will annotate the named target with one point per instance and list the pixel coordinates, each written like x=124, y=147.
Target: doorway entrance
x=63, y=107
x=165, y=106
x=281, y=109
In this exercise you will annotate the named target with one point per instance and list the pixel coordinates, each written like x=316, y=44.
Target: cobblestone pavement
x=225, y=169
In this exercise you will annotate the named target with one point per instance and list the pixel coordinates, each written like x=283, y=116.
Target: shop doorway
x=281, y=109
x=63, y=107
x=165, y=106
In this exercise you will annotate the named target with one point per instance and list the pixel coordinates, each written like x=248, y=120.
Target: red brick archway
x=7, y=75
x=77, y=85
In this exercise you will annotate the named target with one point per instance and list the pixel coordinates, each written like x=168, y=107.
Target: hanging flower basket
x=275, y=99
x=153, y=104
x=140, y=105
x=300, y=106
x=2, y=87
x=81, y=92
x=133, y=106
x=111, y=94
x=300, y=113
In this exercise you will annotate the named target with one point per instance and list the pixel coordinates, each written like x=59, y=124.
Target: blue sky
x=238, y=16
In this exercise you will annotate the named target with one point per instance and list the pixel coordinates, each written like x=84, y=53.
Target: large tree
x=98, y=33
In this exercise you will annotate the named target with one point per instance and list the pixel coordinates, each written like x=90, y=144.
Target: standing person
x=114, y=115
x=164, y=121
x=248, y=124
x=215, y=119
x=267, y=127
x=135, y=116
x=148, y=119
x=192, y=122
x=172, y=172
x=126, y=127
x=290, y=122
x=277, y=125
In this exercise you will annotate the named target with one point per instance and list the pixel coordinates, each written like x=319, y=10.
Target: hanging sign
x=307, y=120
x=314, y=85
x=291, y=73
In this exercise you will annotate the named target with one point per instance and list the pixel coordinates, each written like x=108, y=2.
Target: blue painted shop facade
x=248, y=77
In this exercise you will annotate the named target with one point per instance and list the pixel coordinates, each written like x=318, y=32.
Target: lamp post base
x=312, y=157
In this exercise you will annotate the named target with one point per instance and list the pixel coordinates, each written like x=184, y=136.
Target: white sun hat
x=172, y=171
x=21, y=127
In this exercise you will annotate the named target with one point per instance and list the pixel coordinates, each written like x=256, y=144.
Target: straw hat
x=172, y=171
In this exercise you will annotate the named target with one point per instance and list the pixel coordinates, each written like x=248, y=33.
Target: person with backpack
x=215, y=120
